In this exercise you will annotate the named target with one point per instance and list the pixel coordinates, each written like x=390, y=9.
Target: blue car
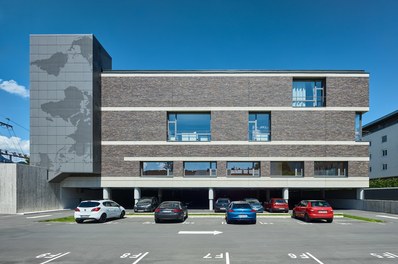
x=255, y=204
x=240, y=211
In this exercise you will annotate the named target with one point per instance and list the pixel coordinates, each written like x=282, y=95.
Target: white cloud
x=13, y=87
x=14, y=144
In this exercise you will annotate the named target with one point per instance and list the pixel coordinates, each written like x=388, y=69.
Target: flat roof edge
x=233, y=71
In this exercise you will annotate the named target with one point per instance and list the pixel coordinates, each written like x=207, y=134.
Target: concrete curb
x=41, y=212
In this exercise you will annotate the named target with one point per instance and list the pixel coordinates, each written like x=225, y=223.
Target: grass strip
x=67, y=219
x=361, y=218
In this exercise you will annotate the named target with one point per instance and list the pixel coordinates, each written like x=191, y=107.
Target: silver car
x=99, y=210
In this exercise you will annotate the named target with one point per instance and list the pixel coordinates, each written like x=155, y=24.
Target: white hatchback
x=99, y=210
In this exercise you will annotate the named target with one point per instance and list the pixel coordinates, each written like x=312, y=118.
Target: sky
x=207, y=35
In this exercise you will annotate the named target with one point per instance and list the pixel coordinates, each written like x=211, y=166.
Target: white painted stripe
x=246, y=158
x=39, y=216
x=182, y=143
x=234, y=74
x=386, y=216
x=317, y=260
x=143, y=256
x=227, y=258
x=55, y=258
x=208, y=108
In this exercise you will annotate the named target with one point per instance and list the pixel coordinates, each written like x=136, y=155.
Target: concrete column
x=106, y=193
x=267, y=195
x=285, y=193
x=211, y=198
x=323, y=194
x=160, y=195
x=137, y=195
x=360, y=194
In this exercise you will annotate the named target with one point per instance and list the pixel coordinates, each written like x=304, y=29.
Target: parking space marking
x=38, y=216
x=138, y=256
x=218, y=256
x=387, y=216
x=51, y=257
x=148, y=223
x=265, y=223
x=143, y=256
x=384, y=255
x=306, y=255
x=188, y=223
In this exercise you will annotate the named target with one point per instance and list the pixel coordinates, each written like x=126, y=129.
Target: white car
x=100, y=210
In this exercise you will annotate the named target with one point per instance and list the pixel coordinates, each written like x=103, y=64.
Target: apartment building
x=193, y=135
x=383, y=150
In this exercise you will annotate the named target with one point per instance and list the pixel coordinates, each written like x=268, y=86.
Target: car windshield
x=223, y=201
x=320, y=204
x=144, y=201
x=88, y=204
x=242, y=206
x=280, y=201
x=252, y=201
x=169, y=205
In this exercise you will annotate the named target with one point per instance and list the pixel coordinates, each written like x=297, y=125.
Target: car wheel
x=122, y=214
x=182, y=218
x=294, y=215
x=186, y=216
x=307, y=218
x=329, y=220
x=79, y=221
x=254, y=222
x=157, y=220
x=102, y=218
x=287, y=211
x=270, y=210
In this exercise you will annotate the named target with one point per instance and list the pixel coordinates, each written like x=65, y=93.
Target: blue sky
x=209, y=34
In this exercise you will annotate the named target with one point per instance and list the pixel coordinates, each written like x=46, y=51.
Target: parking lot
x=23, y=239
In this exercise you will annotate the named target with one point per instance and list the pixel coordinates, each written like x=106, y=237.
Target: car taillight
x=177, y=210
x=230, y=211
x=77, y=210
x=157, y=210
x=96, y=209
x=252, y=210
x=311, y=210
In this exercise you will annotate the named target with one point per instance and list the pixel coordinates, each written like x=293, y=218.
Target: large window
x=358, y=127
x=153, y=168
x=243, y=168
x=330, y=168
x=287, y=168
x=308, y=93
x=200, y=168
x=259, y=126
x=189, y=127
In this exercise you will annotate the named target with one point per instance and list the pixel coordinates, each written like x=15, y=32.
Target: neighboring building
x=192, y=135
x=382, y=134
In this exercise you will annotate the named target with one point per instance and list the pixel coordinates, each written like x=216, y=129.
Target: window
x=384, y=152
x=287, y=168
x=153, y=168
x=383, y=139
x=259, y=127
x=188, y=127
x=308, y=93
x=358, y=127
x=370, y=169
x=384, y=166
x=330, y=168
x=200, y=168
x=243, y=168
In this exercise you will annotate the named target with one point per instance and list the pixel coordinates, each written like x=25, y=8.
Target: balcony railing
x=203, y=137
x=259, y=136
x=156, y=173
x=243, y=172
x=331, y=172
x=208, y=172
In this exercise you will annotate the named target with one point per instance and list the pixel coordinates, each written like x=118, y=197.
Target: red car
x=313, y=209
x=276, y=205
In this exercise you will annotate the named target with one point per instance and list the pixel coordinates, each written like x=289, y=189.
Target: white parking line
x=38, y=216
x=138, y=260
x=386, y=216
x=226, y=258
x=55, y=258
x=314, y=258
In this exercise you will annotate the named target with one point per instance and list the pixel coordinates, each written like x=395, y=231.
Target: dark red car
x=313, y=209
x=276, y=205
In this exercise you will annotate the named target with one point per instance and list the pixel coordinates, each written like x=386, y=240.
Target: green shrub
x=382, y=183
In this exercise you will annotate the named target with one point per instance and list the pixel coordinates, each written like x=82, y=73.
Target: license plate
x=322, y=212
x=84, y=216
x=222, y=208
x=166, y=211
x=242, y=216
x=140, y=210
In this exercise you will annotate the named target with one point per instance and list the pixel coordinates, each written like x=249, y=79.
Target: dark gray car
x=171, y=210
x=221, y=204
x=146, y=204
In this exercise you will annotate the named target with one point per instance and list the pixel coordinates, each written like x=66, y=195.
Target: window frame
x=169, y=172
x=212, y=171
x=297, y=172
x=297, y=97
x=193, y=136
x=255, y=172
x=259, y=137
x=339, y=174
